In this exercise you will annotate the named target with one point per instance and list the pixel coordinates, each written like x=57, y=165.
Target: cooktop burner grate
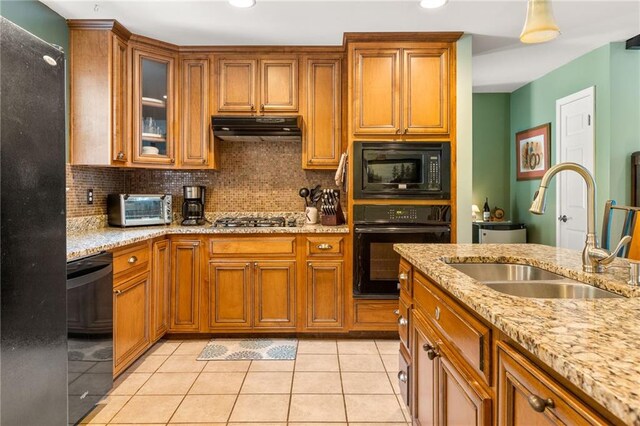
x=253, y=222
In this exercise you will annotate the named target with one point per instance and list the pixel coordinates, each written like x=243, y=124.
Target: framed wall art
x=533, y=152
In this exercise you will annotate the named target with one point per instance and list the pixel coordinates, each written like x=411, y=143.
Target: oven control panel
x=401, y=214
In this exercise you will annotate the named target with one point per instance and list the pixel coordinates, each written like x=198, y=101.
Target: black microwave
x=417, y=170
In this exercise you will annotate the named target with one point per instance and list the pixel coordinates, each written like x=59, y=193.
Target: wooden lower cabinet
x=185, y=285
x=230, y=294
x=324, y=294
x=252, y=294
x=424, y=389
x=274, y=290
x=528, y=396
x=161, y=288
x=131, y=318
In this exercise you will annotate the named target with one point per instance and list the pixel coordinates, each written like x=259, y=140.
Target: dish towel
x=339, y=178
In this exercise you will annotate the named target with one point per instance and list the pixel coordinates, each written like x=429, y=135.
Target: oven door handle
x=402, y=230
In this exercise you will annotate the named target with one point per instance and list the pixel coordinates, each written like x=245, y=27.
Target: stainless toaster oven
x=139, y=209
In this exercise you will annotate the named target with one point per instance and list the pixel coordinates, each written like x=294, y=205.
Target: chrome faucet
x=594, y=258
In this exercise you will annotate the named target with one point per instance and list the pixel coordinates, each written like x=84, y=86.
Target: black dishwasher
x=89, y=332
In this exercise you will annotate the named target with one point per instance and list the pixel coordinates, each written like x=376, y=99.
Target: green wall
x=44, y=23
x=491, y=141
x=615, y=73
x=38, y=19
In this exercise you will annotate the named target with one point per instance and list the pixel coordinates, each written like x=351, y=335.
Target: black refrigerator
x=33, y=333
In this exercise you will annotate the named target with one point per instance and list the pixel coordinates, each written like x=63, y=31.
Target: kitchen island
x=592, y=345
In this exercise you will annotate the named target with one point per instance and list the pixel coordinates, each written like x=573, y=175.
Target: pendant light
x=242, y=3
x=432, y=4
x=540, y=25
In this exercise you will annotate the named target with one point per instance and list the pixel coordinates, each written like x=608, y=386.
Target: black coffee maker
x=193, y=205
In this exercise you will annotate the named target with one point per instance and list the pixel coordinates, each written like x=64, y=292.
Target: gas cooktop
x=254, y=222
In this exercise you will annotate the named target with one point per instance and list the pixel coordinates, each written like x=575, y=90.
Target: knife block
x=333, y=219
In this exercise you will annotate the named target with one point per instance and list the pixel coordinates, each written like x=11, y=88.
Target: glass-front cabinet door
x=154, y=106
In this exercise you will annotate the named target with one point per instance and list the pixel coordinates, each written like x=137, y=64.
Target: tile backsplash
x=253, y=176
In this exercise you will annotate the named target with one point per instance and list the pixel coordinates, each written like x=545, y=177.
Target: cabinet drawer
x=129, y=259
x=324, y=246
x=375, y=315
x=404, y=321
x=246, y=246
x=470, y=337
x=526, y=392
x=404, y=277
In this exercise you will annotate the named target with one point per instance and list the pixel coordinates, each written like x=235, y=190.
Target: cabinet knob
x=402, y=376
x=255, y=264
x=538, y=404
x=120, y=155
x=398, y=131
x=437, y=313
x=403, y=276
x=406, y=131
x=117, y=291
x=324, y=246
x=396, y=312
x=132, y=259
x=173, y=160
x=432, y=352
x=247, y=265
x=261, y=107
x=253, y=107
x=204, y=161
x=402, y=321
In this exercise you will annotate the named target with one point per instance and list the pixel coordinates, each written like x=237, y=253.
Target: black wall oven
x=417, y=170
x=377, y=229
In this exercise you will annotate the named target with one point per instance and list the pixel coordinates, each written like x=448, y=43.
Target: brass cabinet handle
x=403, y=276
x=117, y=291
x=132, y=259
x=324, y=246
x=252, y=107
x=538, y=404
x=406, y=131
x=173, y=160
x=432, y=351
x=402, y=321
x=120, y=155
x=396, y=312
x=261, y=107
x=402, y=376
x=437, y=313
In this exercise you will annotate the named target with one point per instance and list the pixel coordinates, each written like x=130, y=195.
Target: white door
x=575, y=143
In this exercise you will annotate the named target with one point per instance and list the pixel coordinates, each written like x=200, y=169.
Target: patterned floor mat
x=225, y=349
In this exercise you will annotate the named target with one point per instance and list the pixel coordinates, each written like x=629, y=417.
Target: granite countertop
x=593, y=343
x=97, y=240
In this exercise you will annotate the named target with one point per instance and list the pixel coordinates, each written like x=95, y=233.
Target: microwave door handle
x=403, y=230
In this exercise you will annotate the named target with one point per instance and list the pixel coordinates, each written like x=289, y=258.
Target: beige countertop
x=97, y=240
x=593, y=343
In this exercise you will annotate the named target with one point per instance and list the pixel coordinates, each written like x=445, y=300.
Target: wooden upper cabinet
x=100, y=89
x=425, y=90
x=237, y=85
x=154, y=104
x=278, y=85
x=402, y=89
x=322, y=144
x=376, y=91
x=257, y=85
x=195, y=118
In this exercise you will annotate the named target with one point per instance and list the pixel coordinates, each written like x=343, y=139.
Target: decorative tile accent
x=219, y=349
x=593, y=343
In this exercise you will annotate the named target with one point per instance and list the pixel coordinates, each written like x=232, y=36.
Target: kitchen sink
x=530, y=281
x=504, y=272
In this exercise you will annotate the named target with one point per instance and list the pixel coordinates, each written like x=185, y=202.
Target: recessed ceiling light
x=242, y=3
x=432, y=4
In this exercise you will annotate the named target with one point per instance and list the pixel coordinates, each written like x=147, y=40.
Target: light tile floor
x=332, y=382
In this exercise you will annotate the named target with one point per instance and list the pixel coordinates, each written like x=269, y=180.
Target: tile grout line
x=246, y=373
x=293, y=376
x=344, y=398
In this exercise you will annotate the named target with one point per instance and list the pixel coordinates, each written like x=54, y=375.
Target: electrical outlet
x=90, y=196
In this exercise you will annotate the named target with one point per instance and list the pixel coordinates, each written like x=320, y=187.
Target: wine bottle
x=486, y=213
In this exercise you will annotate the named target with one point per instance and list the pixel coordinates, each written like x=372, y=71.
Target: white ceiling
x=500, y=62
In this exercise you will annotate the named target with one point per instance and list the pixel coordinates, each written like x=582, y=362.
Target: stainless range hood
x=257, y=128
